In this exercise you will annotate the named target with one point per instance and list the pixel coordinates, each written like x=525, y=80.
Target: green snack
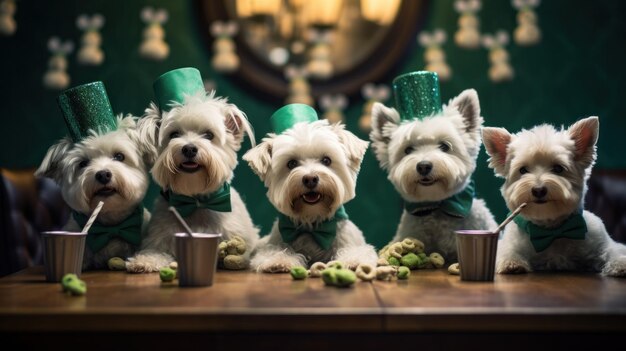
x=167, y=274
x=73, y=285
x=335, y=264
x=299, y=273
x=345, y=277
x=403, y=272
x=329, y=276
x=116, y=264
x=410, y=260
x=235, y=262
x=393, y=261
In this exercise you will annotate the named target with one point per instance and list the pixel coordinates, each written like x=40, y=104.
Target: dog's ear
x=496, y=142
x=384, y=121
x=260, y=157
x=50, y=165
x=354, y=147
x=148, y=133
x=237, y=123
x=585, y=135
x=468, y=106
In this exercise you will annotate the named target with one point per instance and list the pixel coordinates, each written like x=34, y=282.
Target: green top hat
x=174, y=85
x=288, y=115
x=87, y=107
x=417, y=94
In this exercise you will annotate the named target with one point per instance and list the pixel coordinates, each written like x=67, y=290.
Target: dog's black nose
x=310, y=181
x=190, y=150
x=104, y=176
x=539, y=191
x=424, y=168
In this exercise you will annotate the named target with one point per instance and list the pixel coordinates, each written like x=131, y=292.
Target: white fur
x=308, y=144
x=79, y=185
x=400, y=145
x=539, y=150
x=216, y=157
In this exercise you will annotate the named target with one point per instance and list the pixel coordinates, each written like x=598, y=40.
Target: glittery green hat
x=417, y=94
x=174, y=85
x=288, y=115
x=86, y=107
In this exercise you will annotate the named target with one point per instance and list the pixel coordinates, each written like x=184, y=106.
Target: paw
x=512, y=267
x=138, y=266
x=615, y=268
x=148, y=263
x=276, y=267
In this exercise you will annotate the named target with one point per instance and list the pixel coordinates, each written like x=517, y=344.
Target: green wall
x=578, y=70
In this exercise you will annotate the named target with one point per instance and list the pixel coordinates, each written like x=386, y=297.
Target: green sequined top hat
x=417, y=94
x=174, y=85
x=86, y=107
x=288, y=115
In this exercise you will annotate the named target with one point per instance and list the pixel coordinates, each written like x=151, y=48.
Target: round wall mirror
x=336, y=45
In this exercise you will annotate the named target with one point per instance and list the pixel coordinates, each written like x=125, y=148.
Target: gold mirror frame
x=270, y=81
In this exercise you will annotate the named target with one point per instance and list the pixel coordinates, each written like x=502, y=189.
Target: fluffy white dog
x=430, y=162
x=106, y=167
x=196, y=144
x=548, y=169
x=310, y=171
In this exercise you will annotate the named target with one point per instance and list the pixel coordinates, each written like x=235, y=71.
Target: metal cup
x=197, y=258
x=477, y=254
x=63, y=253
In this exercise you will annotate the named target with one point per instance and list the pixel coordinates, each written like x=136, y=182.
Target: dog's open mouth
x=311, y=197
x=540, y=202
x=189, y=166
x=105, y=191
x=427, y=181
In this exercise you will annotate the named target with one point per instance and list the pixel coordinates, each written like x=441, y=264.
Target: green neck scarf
x=574, y=227
x=186, y=205
x=323, y=232
x=458, y=205
x=99, y=234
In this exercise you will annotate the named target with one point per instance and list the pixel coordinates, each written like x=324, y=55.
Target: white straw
x=93, y=217
x=510, y=217
x=181, y=220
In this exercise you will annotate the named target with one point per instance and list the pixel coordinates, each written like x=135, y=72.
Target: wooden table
x=272, y=310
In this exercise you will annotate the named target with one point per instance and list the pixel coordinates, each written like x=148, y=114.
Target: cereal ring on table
x=382, y=262
x=385, y=272
x=365, y=272
x=419, y=245
x=407, y=245
x=396, y=250
x=383, y=250
x=437, y=260
x=454, y=269
x=316, y=269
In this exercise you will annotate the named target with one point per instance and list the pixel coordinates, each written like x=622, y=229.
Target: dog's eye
x=209, y=135
x=523, y=170
x=292, y=164
x=444, y=147
x=119, y=156
x=175, y=134
x=558, y=169
x=326, y=161
x=409, y=149
x=83, y=163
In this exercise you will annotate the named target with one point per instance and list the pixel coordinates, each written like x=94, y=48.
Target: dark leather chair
x=606, y=197
x=28, y=206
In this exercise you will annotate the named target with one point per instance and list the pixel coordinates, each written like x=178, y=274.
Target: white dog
x=106, y=167
x=196, y=144
x=430, y=162
x=548, y=170
x=310, y=171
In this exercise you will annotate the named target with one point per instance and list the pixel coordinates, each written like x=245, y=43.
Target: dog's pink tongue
x=312, y=196
x=190, y=165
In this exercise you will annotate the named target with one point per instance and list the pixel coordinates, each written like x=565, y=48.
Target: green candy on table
x=340, y=277
x=73, y=285
x=299, y=273
x=411, y=260
x=116, y=264
x=167, y=274
x=329, y=276
x=403, y=272
x=393, y=261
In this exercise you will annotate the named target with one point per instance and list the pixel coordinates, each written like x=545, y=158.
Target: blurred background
x=531, y=62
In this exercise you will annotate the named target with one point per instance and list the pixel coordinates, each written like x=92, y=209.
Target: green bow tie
x=574, y=227
x=458, y=205
x=99, y=234
x=185, y=205
x=323, y=232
